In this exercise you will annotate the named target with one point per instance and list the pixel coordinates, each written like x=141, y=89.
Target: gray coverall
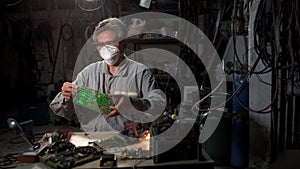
x=133, y=79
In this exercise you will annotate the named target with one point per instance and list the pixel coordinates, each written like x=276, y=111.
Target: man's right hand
x=68, y=90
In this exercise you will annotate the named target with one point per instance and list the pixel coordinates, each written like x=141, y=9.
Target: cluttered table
x=83, y=139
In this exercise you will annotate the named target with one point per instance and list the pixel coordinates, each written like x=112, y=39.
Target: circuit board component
x=93, y=99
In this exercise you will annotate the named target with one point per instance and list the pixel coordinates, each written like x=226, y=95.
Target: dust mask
x=110, y=54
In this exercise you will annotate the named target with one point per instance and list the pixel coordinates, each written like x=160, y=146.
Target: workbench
x=82, y=139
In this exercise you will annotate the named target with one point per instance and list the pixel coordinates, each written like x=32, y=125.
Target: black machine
x=186, y=149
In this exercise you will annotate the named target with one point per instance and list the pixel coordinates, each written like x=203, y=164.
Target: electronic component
x=93, y=99
x=114, y=141
x=161, y=124
x=32, y=155
x=108, y=160
x=61, y=146
x=68, y=156
x=133, y=130
x=135, y=153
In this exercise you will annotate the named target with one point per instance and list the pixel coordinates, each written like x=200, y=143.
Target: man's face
x=107, y=37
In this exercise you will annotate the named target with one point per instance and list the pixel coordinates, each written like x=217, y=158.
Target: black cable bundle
x=263, y=35
x=277, y=35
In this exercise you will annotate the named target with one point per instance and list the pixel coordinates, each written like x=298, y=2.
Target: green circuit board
x=93, y=99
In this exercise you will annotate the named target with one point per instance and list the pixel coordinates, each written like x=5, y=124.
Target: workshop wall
x=39, y=45
x=34, y=54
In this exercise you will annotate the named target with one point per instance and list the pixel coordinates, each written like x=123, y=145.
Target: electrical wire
x=103, y=10
x=53, y=24
x=276, y=41
x=250, y=72
x=107, y=6
x=13, y=140
x=266, y=38
x=89, y=10
x=266, y=34
x=9, y=161
x=237, y=58
x=195, y=108
x=262, y=81
x=262, y=110
x=62, y=28
x=234, y=19
x=247, y=76
x=261, y=44
x=14, y=3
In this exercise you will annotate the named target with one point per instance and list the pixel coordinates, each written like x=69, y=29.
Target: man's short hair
x=113, y=24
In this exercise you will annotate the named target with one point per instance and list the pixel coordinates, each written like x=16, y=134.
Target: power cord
x=8, y=161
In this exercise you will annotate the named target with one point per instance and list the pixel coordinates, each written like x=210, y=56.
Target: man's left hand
x=122, y=107
x=114, y=112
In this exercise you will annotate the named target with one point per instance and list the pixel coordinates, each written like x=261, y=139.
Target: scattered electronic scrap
x=64, y=155
x=60, y=153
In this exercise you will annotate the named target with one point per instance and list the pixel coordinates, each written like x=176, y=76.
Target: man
x=130, y=83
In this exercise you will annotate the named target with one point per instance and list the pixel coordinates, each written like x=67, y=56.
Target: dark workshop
x=142, y=84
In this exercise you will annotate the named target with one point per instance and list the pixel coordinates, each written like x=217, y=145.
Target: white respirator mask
x=110, y=54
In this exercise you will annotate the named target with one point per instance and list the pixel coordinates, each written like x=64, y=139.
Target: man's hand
x=68, y=90
x=122, y=107
x=114, y=112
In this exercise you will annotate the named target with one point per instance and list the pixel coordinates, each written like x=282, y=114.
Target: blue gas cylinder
x=240, y=125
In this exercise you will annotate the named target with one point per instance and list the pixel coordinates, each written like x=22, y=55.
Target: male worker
x=138, y=97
